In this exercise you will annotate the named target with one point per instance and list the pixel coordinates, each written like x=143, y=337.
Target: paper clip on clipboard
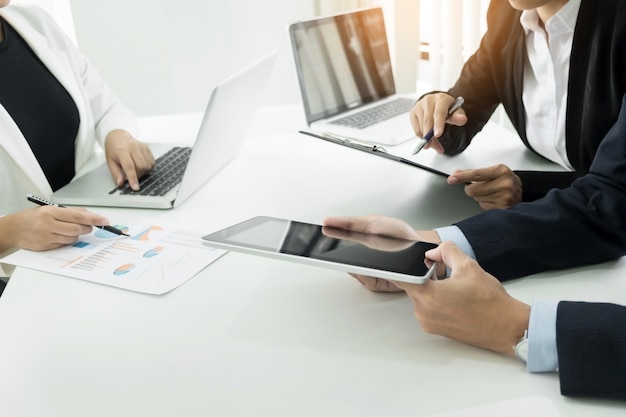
x=369, y=148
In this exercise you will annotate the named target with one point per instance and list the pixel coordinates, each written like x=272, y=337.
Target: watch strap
x=521, y=348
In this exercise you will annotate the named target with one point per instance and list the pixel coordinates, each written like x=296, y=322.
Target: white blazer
x=99, y=110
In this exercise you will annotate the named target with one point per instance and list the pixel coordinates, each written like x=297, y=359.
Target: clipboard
x=371, y=149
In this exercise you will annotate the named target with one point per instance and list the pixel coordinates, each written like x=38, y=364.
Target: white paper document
x=155, y=259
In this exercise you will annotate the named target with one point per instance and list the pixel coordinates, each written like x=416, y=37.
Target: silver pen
x=455, y=106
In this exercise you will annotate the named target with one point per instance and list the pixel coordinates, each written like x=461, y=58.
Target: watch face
x=521, y=350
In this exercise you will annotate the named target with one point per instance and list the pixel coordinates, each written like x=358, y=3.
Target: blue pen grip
x=429, y=135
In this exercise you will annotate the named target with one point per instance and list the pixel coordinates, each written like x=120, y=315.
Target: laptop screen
x=342, y=62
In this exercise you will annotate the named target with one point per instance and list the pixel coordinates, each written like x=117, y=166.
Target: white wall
x=164, y=57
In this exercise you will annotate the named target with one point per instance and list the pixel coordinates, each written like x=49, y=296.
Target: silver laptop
x=346, y=79
x=224, y=127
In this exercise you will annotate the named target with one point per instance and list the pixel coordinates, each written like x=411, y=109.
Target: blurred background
x=163, y=57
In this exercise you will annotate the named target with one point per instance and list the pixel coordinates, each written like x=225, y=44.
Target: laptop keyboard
x=167, y=173
x=376, y=114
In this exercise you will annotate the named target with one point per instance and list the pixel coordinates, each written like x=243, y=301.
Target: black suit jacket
x=591, y=344
x=597, y=81
x=582, y=224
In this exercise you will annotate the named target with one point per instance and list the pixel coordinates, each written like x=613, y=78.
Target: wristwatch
x=521, y=349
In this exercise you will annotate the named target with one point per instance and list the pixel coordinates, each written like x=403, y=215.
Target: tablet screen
x=313, y=241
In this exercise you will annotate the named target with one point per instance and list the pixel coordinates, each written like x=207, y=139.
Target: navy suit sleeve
x=591, y=345
x=582, y=224
x=536, y=184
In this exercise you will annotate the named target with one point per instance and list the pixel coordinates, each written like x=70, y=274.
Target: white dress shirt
x=546, y=75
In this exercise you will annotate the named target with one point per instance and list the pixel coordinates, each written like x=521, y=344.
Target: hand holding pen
x=427, y=109
x=88, y=222
x=47, y=227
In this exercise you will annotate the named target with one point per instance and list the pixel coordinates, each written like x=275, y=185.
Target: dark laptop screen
x=342, y=62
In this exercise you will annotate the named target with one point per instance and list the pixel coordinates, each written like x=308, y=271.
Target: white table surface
x=250, y=336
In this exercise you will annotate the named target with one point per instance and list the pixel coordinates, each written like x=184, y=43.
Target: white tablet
x=312, y=244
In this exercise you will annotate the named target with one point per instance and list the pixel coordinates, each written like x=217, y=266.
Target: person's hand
x=492, y=187
x=46, y=227
x=381, y=225
x=470, y=306
x=128, y=159
x=431, y=111
x=377, y=225
x=379, y=242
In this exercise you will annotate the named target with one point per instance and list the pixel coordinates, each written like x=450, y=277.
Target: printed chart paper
x=155, y=259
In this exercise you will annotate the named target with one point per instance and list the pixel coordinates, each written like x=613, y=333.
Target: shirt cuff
x=454, y=234
x=542, y=352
